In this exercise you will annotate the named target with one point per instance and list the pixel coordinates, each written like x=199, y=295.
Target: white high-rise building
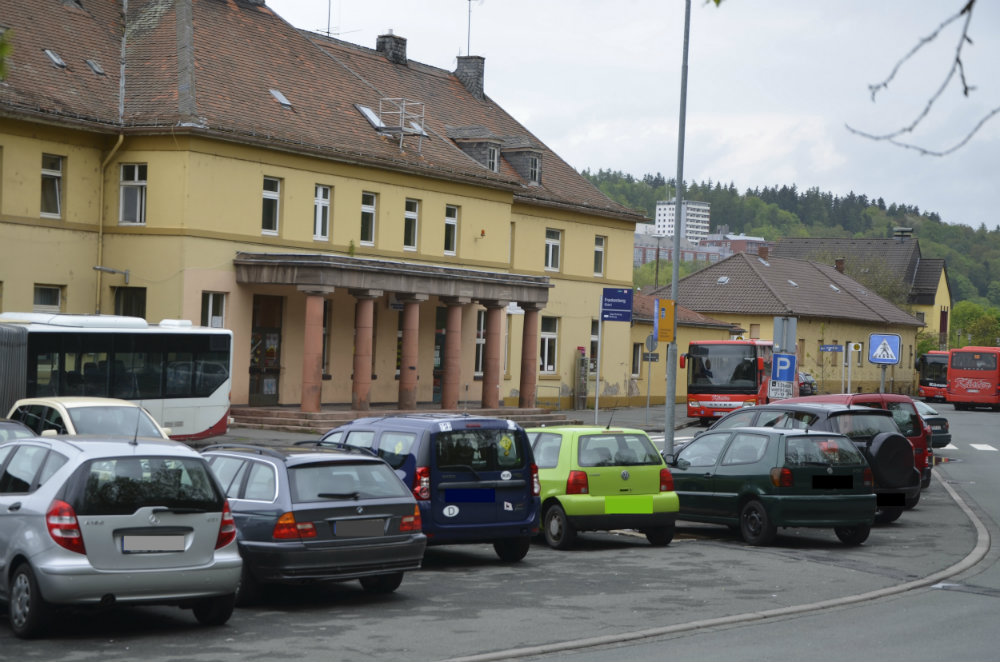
x=695, y=218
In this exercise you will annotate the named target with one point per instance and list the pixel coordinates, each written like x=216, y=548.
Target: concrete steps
x=290, y=419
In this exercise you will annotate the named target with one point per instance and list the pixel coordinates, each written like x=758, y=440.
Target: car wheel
x=248, y=592
x=28, y=611
x=853, y=535
x=887, y=515
x=910, y=502
x=512, y=550
x=559, y=533
x=382, y=583
x=660, y=536
x=215, y=611
x=755, y=525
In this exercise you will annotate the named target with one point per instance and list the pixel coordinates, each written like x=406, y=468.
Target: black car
x=307, y=514
x=873, y=431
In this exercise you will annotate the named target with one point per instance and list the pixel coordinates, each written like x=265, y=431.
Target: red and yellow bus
x=974, y=377
x=932, y=368
x=724, y=375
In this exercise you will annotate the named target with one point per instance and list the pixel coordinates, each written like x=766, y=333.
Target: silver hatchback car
x=91, y=521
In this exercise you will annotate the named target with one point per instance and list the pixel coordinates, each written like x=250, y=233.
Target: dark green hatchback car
x=759, y=479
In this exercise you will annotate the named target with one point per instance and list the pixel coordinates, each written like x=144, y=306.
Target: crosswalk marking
x=983, y=447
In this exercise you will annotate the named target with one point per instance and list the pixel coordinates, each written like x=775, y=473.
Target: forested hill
x=972, y=255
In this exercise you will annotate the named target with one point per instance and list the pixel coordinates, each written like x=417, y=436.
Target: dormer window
x=534, y=170
x=493, y=159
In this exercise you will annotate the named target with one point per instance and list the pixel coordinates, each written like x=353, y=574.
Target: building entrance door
x=265, y=350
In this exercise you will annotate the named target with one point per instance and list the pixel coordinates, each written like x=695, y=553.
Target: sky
x=772, y=86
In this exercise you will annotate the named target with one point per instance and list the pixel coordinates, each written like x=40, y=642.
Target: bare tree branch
x=957, y=68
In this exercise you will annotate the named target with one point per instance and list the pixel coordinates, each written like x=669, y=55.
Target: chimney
x=762, y=251
x=470, y=73
x=392, y=47
x=839, y=264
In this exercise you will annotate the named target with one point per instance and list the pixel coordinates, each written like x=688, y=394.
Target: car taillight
x=577, y=483
x=666, y=481
x=868, y=478
x=288, y=529
x=227, y=527
x=411, y=522
x=64, y=527
x=536, y=485
x=782, y=477
x=422, y=483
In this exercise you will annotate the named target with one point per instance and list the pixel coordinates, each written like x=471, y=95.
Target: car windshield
x=859, y=426
x=122, y=485
x=605, y=450
x=812, y=450
x=342, y=480
x=113, y=420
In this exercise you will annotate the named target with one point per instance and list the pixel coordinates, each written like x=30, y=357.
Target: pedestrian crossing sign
x=883, y=348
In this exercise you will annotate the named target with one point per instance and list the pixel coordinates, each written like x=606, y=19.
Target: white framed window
x=450, y=229
x=52, y=172
x=553, y=239
x=368, y=219
x=410, y=225
x=637, y=359
x=48, y=299
x=493, y=159
x=271, y=207
x=549, y=346
x=213, y=309
x=132, y=204
x=480, y=341
x=321, y=213
x=534, y=170
x=599, y=244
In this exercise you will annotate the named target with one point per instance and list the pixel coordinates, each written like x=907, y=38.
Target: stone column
x=529, y=357
x=312, y=349
x=410, y=350
x=492, y=346
x=364, y=321
x=451, y=364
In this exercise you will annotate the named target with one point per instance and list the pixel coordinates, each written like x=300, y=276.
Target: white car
x=90, y=416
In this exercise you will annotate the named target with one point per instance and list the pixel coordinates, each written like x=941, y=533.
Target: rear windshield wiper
x=466, y=467
x=339, y=495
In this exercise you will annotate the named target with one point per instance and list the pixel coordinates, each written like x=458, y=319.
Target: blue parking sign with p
x=783, y=368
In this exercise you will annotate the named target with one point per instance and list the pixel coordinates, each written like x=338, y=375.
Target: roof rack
x=253, y=448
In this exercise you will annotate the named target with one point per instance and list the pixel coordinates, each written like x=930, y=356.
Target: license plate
x=973, y=390
x=360, y=528
x=148, y=544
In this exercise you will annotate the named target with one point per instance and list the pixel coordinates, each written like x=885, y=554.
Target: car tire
x=382, y=583
x=910, y=502
x=28, y=612
x=512, y=550
x=755, y=524
x=559, y=533
x=215, y=611
x=853, y=535
x=887, y=515
x=249, y=590
x=660, y=536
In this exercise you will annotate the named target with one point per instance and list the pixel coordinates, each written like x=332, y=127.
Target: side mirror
x=668, y=458
x=682, y=361
x=760, y=364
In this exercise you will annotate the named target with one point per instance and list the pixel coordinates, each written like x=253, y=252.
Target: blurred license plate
x=360, y=528
x=973, y=390
x=146, y=544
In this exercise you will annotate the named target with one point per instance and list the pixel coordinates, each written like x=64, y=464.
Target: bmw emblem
x=625, y=474
x=360, y=510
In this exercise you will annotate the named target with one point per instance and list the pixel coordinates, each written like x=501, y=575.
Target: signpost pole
x=597, y=382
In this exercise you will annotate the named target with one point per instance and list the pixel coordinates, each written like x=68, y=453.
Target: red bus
x=932, y=368
x=724, y=375
x=974, y=377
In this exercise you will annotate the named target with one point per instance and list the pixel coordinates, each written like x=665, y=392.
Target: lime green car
x=596, y=478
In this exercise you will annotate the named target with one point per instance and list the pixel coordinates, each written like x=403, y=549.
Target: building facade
x=695, y=219
x=372, y=229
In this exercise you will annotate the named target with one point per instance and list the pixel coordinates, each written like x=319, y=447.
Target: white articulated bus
x=181, y=373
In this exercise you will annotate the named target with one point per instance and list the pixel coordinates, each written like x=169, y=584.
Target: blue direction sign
x=616, y=304
x=883, y=348
x=831, y=348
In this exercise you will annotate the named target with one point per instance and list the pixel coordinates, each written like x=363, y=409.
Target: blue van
x=474, y=478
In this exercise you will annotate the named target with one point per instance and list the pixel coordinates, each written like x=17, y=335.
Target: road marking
x=982, y=447
x=949, y=447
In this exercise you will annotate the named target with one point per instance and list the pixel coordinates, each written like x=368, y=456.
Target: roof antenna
x=611, y=418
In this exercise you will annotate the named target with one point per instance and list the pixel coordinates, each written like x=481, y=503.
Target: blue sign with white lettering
x=783, y=368
x=831, y=348
x=616, y=304
x=883, y=348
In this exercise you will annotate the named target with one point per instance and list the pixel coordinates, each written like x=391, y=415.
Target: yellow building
x=372, y=229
